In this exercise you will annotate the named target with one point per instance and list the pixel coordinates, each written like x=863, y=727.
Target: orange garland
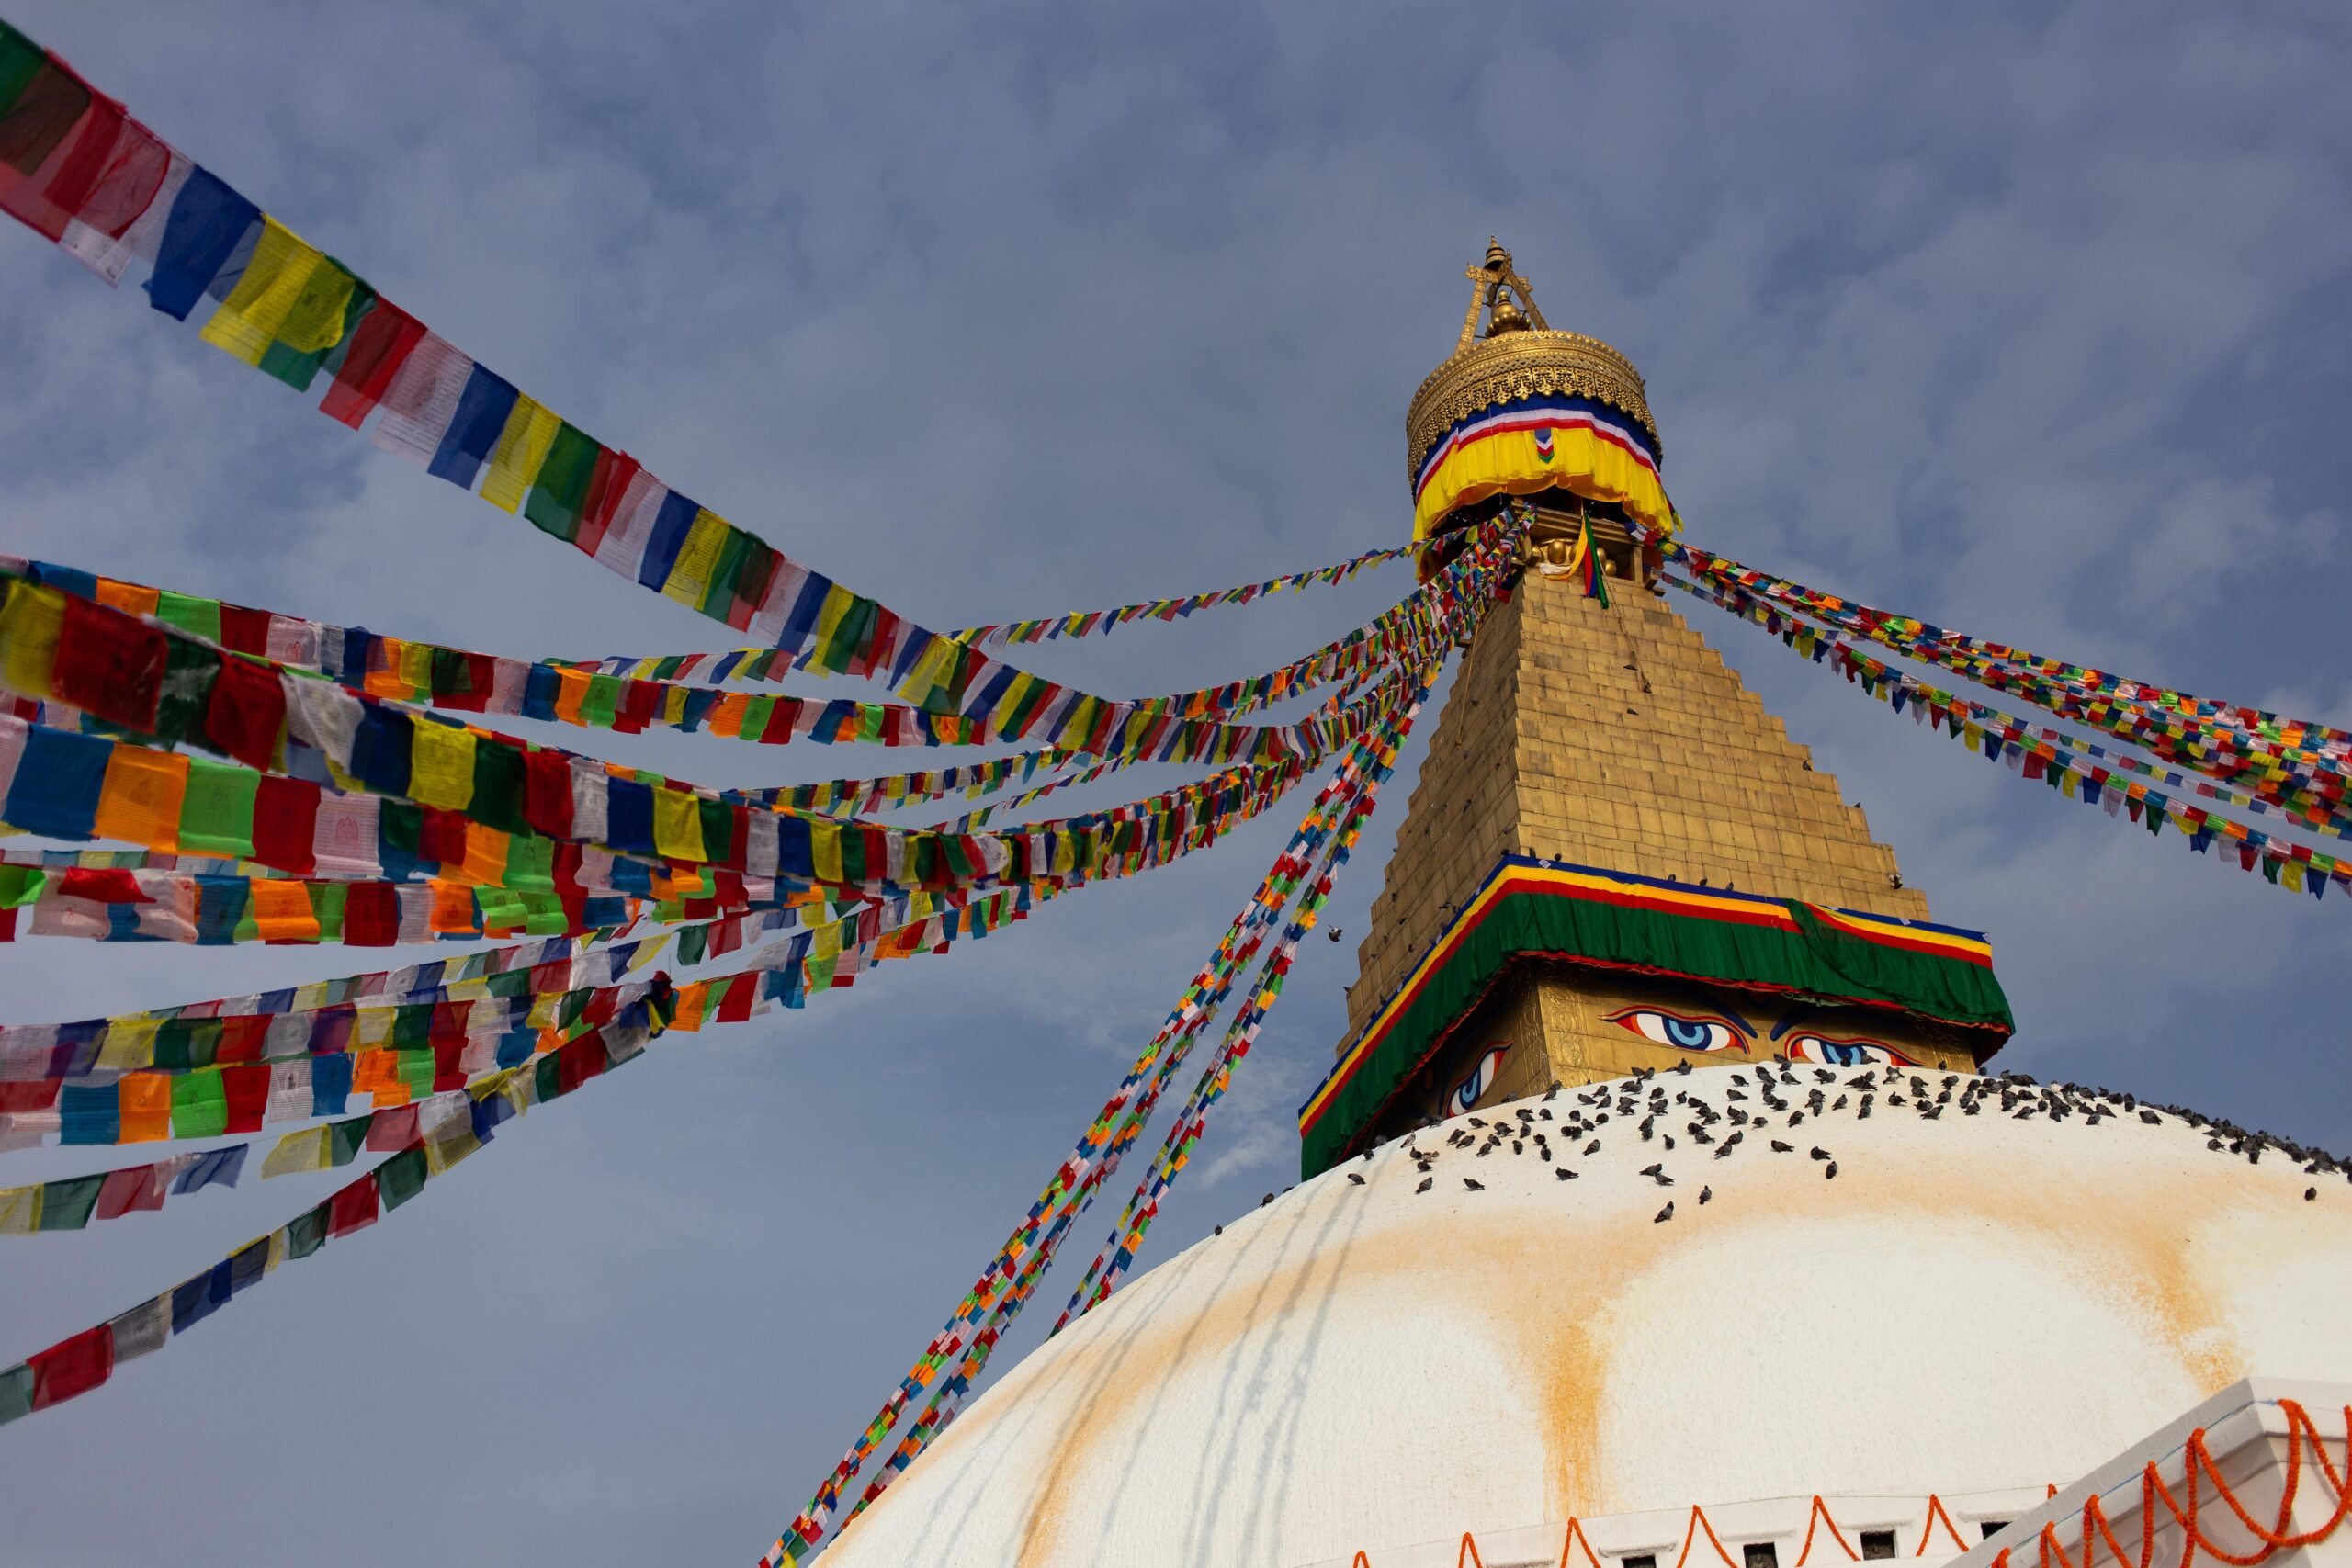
x=2300, y=1430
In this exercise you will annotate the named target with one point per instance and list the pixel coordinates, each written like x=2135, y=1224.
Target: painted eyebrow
x=1793, y=1020
x=1746, y=1027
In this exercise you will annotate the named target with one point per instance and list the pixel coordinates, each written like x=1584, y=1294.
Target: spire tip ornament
x=1521, y=408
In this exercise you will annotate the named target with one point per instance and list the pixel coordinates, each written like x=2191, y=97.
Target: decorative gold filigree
x=1517, y=364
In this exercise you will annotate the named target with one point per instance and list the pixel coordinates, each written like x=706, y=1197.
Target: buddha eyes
x=1482, y=1077
x=1846, y=1053
x=1683, y=1033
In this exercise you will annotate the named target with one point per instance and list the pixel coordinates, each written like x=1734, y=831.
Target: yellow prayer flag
x=309, y=1149
x=289, y=294
x=31, y=620
x=441, y=766
x=690, y=574
x=825, y=850
x=521, y=447
x=130, y=1046
x=677, y=825
x=19, y=1210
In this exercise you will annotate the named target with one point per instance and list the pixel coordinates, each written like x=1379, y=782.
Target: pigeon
x=1220, y=1230
x=1266, y=1200
x=1665, y=1215
x=1829, y=1171
x=1354, y=1177
x=1706, y=1195
x=1335, y=934
x=1564, y=1174
x=1682, y=1066
x=1474, y=1186
x=1653, y=1169
x=1427, y=1182
x=2310, y=1194
x=1367, y=1157
x=1780, y=1148
x=1663, y=1179
x=1820, y=1153
x=1593, y=1147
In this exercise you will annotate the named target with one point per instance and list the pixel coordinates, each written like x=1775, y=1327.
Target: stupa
x=1659, y=1206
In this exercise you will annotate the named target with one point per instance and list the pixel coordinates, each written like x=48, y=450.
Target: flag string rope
x=1023, y=1256
x=1191, y=1122
x=290, y=310
x=2002, y=736
x=630, y=694
x=85, y=1360
x=152, y=678
x=2297, y=766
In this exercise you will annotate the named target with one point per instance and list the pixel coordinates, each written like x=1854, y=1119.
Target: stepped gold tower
x=1614, y=858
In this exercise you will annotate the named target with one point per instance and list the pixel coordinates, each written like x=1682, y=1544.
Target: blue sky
x=2029, y=320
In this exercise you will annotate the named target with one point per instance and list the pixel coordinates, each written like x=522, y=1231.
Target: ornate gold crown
x=1520, y=356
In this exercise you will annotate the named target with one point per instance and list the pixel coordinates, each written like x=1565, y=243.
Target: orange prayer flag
x=140, y=800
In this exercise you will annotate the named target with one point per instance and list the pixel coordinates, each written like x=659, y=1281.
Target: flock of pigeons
x=1770, y=1099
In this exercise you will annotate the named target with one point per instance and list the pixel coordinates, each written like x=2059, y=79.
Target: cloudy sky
x=2029, y=320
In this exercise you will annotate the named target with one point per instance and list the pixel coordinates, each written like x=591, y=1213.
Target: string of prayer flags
x=61, y=783
x=1119, y=1254
x=947, y=1397
x=289, y=309
x=1020, y=705
x=462, y=680
x=1100, y=623
x=1076, y=1180
x=84, y=1361
x=1198, y=1002
x=2051, y=758
x=2300, y=769
x=431, y=1138
x=72, y=1203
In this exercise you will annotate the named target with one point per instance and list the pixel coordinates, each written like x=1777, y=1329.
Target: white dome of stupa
x=1986, y=1294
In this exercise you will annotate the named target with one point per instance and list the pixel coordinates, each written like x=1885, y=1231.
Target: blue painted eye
x=1846, y=1053
x=1467, y=1093
x=1683, y=1033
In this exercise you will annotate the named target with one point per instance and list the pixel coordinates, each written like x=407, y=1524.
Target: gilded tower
x=1614, y=858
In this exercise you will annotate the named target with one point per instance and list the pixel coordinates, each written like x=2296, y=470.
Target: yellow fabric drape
x=1514, y=462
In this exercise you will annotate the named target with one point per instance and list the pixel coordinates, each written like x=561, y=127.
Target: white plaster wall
x=1974, y=1303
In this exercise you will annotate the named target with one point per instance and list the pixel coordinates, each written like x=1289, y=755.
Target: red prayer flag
x=285, y=824
x=379, y=348
x=112, y=885
x=247, y=713
x=245, y=1087
x=72, y=1366
x=131, y=1188
x=393, y=1129
x=110, y=664
x=547, y=794
x=371, y=915
x=354, y=1207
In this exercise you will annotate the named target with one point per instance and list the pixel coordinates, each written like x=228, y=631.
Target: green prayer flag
x=65, y=1206
x=346, y=1138
x=199, y=1107
x=307, y=1234
x=402, y=1177
x=559, y=494
x=201, y=616
x=498, y=786
x=217, y=812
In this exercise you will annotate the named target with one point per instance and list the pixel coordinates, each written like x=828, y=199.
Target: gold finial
x=1497, y=258
x=1502, y=315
